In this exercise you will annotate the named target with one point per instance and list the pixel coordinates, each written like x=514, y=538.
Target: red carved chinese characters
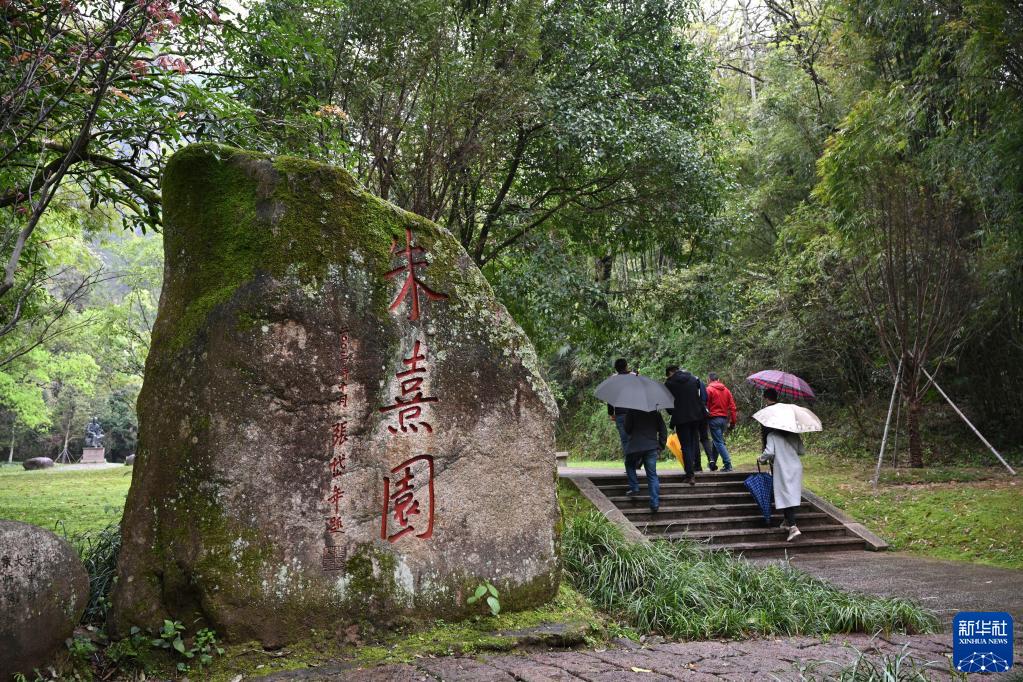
x=339, y=431
x=339, y=435
x=412, y=285
x=408, y=500
x=408, y=491
x=409, y=405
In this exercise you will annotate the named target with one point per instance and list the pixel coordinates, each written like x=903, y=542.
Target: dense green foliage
x=828, y=187
x=872, y=216
x=502, y=120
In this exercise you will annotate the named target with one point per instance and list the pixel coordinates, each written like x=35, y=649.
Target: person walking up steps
x=721, y=415
x=647, y=438
x=784, y=449
x=686, y=414
x=617, y=414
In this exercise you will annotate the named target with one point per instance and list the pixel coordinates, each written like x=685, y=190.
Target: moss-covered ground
x=968, y=513
x=358, y=647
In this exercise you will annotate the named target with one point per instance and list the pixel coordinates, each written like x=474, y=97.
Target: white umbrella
x=634, y=392
x=789, y=417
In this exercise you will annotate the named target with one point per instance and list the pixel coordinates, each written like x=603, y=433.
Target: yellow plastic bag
x=676, y=448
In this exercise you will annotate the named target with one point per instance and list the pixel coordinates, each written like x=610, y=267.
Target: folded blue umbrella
x=761, y=487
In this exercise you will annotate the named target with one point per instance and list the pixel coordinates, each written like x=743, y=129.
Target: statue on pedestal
x=94, y=434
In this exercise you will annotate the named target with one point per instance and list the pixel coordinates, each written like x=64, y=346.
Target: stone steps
x=795, y=548
x=688, y=499
x=720, y=512
x=731, y=536
x=681, y=488
x=653, y=524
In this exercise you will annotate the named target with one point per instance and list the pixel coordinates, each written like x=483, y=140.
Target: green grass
x=899, y=667
x=681, y=590
x=77, y=500
x=968, y=513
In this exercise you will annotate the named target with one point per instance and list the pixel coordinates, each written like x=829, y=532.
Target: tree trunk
x=916, y=455
x=603, y=271
x=10, y=453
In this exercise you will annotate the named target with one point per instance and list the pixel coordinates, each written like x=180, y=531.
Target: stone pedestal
x=93, y=456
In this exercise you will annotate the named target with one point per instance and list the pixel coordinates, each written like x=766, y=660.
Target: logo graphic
x=982, y=641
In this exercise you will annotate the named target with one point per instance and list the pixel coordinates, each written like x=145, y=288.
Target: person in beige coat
x=784, y=449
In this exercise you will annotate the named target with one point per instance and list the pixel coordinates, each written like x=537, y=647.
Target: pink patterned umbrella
x=786, y=384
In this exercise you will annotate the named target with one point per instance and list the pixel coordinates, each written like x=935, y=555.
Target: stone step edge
x=753, y=532
x=606, y=507
x=752, y=508
x=745, y=494
x=738, y=508
x=795, y=544
x=725, y=486
x=723, y=519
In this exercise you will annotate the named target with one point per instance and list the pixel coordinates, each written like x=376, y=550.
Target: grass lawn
x=78, y=499
x=966, y=513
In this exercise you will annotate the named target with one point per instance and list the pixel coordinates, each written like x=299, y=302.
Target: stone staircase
x=720, y=512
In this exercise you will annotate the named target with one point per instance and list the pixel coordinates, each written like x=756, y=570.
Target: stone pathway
x=793, y=658
x=944, y=587
x=86, y=467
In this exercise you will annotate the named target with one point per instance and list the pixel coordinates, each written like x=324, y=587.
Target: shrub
x=99, y=550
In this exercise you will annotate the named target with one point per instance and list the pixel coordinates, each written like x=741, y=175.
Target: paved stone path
x=944, y=587
x=793, y=658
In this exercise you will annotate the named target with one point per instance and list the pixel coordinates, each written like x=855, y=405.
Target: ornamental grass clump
x=98, y=549
x=682, y=590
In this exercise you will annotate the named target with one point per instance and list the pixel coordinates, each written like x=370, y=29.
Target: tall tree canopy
x=497, y=119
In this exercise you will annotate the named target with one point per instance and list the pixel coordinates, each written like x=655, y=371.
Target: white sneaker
x=784, y=525
x=793, y=534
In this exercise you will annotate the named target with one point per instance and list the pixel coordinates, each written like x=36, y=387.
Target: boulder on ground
x=37, y=463
x=43, y=592
x=129, y=460
x=338, y=423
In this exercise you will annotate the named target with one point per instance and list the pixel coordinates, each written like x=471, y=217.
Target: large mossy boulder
x=44, y=590
x=338, y=423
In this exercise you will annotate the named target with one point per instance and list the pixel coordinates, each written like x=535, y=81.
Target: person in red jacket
x=721, y=415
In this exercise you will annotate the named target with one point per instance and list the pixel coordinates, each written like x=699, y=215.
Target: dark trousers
x=708, y=447
x=790, y=515
x=689, y=439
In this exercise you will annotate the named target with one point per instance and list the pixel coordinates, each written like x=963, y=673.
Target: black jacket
x=646, y=431
x=615, y=411
x=689, y=405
